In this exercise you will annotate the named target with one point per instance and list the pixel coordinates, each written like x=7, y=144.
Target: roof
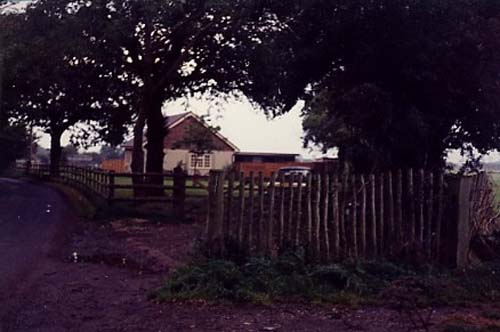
x=266, y=154
x=174, y=120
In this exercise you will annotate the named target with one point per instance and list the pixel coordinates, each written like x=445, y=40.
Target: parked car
x=294, y=170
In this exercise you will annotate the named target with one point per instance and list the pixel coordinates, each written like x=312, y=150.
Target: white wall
x=220, y=160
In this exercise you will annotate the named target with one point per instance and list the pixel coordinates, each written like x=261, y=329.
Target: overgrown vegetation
x=288, y=277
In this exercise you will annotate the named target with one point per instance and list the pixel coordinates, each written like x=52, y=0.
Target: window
x=201, y=161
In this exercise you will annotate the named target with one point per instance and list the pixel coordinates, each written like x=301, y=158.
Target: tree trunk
x=137, y=165
x=155, y=136
x=55, y=151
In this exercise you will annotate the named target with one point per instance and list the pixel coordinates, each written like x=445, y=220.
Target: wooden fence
x=333, y=216
x=120, y=187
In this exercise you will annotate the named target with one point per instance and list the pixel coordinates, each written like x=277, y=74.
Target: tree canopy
x=393, y=83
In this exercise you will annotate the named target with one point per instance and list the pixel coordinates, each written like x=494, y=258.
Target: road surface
x=32, y=222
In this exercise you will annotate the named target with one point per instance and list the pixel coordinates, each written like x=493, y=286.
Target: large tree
x=168, y=49
x=55, y=84
x=392, y=83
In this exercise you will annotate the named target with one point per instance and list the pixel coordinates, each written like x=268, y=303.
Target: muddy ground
x=97, y=277
x=104, y=287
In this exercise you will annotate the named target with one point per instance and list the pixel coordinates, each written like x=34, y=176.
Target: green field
x=496, y=183
x=128, y=193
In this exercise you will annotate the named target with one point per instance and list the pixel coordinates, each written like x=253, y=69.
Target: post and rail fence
x=120, y=187
x=409, y=215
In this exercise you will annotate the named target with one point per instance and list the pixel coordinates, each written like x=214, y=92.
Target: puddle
x=114, y=260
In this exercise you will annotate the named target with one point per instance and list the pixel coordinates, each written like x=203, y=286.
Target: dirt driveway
x=59, y=273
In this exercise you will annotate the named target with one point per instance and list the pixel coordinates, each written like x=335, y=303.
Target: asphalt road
x=32, y=222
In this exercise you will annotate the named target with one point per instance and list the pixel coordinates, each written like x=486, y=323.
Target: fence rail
x=124, y=187
x=334, y=217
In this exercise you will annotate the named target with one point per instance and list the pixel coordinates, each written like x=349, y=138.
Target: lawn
x=496, y=183
x=190, y=190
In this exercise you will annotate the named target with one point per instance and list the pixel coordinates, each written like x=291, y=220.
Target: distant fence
x=116, y=165
x=338, y=217
x=120, y=187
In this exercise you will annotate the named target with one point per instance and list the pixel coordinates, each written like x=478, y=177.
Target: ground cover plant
x=289, y=277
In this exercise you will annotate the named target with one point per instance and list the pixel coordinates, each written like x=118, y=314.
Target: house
x=178, y=152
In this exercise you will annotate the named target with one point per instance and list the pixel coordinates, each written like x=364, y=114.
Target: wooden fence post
x=241, y=207
x=270, y=222
x=229, y=218
x=179, y=193
x=111, y=186
x=373, y=228
x=260, y=225
x=363, y=215
x=251, y=212
x=298, y=222
x=212, y=186
x=219, y=208
x=354, y=223
x=326, y=231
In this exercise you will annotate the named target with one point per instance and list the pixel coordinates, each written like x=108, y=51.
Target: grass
x=496, y=183
x=128, y=193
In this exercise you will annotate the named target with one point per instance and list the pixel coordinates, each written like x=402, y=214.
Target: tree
x=58, y=86
x=13, y=144
x=168, y=49
x=199, y=139
x=392, y=83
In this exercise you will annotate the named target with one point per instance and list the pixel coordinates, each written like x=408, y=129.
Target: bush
x=261, y=279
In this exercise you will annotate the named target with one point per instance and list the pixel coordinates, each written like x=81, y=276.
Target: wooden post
x=309, y=209
x=111, y=186
x=336, y=217
x=439, y=220
x=261, y=239
x=241, y=215
x=411, y=199
x=282, y=211
x=326, y=235
x=291, y=183
x=229, y=218
x=373, y=214
x=430, y=215
x=363, y=215
x=399, y=207
x=381, y=219
x=390, y=199
x=342, y=212
x=219, y=211
x=421, y=198
x=179, y=194
x=270, y=221
x=317, y=217
x=298, y=221
x=251, y=211
x=355, y=249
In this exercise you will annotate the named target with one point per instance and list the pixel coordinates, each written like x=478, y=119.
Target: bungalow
x=178, y=152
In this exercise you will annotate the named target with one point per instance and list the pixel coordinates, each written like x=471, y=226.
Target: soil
x=100, y=277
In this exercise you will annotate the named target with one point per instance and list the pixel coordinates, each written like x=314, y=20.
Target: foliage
x=167, y=49
x=57, y=86
x=13, y=144
x=286, y=277
x=391, y=83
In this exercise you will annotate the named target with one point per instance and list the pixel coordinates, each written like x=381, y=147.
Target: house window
x=201, y=161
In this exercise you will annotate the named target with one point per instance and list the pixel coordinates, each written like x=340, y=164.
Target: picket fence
x=333, y=216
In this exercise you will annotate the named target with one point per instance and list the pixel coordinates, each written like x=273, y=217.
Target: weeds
x=237, y=278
